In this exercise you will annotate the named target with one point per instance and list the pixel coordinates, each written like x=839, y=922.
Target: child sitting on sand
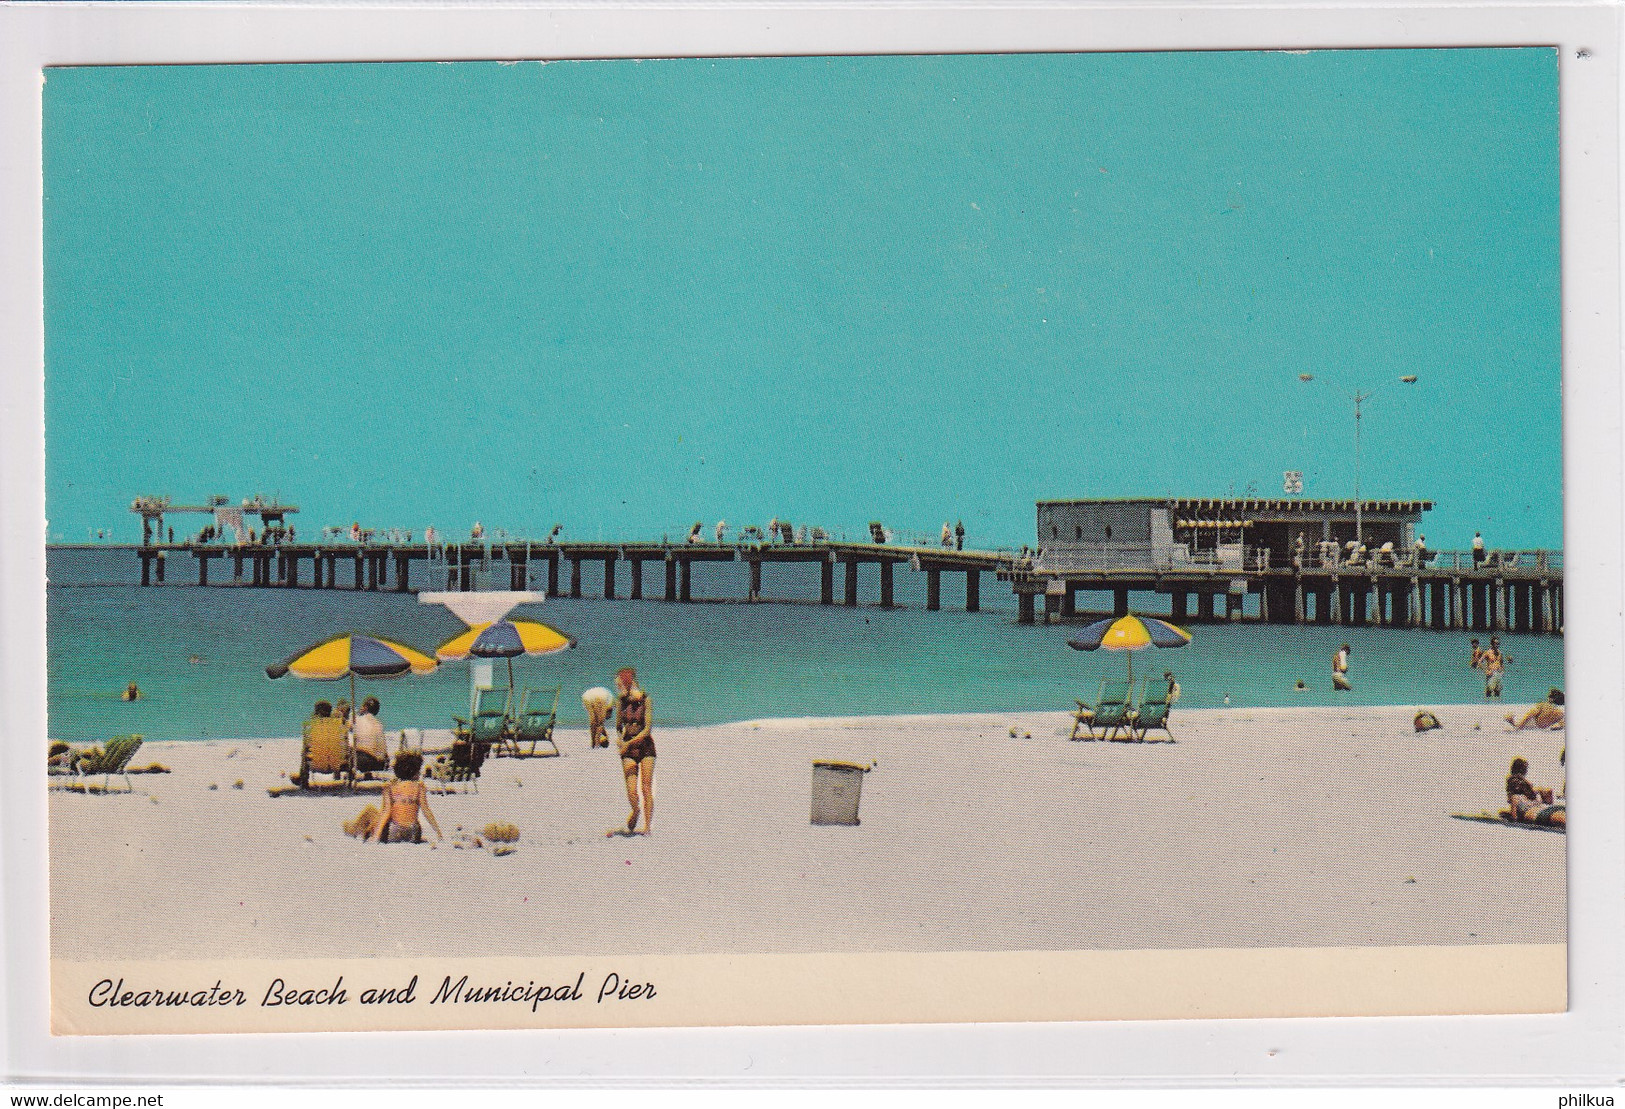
x=403, y=799
x=1529, y=805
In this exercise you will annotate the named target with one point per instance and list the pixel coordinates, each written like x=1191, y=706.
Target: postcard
x=838, y=539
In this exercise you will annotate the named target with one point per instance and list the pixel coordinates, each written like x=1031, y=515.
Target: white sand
x=1315, y=826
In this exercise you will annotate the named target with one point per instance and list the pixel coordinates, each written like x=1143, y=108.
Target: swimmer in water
x=132, y=692
x=1301, y=686
x=194, y=659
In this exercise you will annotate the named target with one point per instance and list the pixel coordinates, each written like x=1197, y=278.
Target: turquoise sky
x=629, y=295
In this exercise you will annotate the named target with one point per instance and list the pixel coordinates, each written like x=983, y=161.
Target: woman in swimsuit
x=403, y=799
x=1545, y=714
x=1529, y=805
x=637, y=748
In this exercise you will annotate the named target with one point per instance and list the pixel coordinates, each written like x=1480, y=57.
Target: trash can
x=837, y=787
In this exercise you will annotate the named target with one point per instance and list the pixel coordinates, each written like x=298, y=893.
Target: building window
x=1054, y=532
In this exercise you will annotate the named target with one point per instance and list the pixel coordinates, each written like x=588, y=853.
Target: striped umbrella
x=350, y=655
x=1129, y=634
x=506, y=639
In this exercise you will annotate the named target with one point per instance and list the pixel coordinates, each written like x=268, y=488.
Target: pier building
x=1358, y=562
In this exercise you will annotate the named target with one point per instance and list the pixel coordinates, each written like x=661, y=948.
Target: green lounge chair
x=489, y=726
x=538, y=713
x=112, y=758
x=1109, y=715
x=1152, y=713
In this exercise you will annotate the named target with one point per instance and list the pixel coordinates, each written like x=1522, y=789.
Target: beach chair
x=489, y=725
x=1152, y=713
x=326, y=750
x=460, y=766
x=1109, y=715
x=111, y=758
x=538, y=713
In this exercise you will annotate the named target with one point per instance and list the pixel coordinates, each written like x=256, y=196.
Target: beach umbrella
x=350, y=655
x=506, y=639
x=1129, y=634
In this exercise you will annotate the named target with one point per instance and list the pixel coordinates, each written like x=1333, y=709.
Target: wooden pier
x=1507, y=591
x=469, y=566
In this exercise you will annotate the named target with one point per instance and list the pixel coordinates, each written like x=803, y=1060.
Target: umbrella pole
x=349, y=727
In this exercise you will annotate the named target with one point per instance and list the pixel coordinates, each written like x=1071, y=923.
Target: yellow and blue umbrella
x=350, y=655
x=505, y=639
x=1129, y=634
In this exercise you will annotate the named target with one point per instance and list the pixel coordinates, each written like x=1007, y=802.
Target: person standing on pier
x=428, y=536
x=959, y=535
x=1340, y=670
x=1478, y=549
x=947, y=534
x=722, y=529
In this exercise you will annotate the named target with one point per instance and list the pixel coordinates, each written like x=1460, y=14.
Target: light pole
x=1358, y=398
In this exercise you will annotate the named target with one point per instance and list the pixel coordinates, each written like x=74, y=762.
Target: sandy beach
x=1277, y=827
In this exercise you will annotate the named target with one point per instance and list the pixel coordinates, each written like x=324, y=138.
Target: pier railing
x=1108, y=557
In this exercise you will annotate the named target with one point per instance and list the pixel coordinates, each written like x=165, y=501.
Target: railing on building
x=1126, y=557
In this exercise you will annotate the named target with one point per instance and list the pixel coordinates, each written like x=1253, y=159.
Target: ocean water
x=706, y=662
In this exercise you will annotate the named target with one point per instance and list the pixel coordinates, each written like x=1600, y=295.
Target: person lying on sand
x=1529, y=805
x=403, y=799
x=1425, y=721
x=1545, y=714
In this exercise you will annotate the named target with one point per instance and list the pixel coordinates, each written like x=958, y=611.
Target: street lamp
x=1358, y=398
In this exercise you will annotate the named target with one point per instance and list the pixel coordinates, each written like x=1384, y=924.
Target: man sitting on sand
x=1529, y=805
x=1546, y=714
x=371, y=749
